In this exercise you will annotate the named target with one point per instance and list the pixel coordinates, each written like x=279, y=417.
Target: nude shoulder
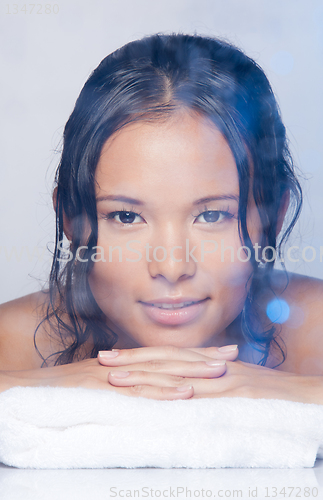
x=297, y=285
x=302, y=330
x=23, y=311
x=19, y=319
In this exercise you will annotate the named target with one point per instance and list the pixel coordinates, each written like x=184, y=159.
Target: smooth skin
x=160, y=172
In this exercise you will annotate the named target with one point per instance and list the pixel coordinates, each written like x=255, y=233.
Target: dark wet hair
x=150, y=79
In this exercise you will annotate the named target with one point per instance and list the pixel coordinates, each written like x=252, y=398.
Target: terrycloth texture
x=51, y=427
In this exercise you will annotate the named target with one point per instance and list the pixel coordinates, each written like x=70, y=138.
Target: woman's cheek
x=229, y=276
x=111, y=276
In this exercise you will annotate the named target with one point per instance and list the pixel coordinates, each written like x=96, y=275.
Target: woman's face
x=167, y=201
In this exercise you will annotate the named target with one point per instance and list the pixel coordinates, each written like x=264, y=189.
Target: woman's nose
x=172, y=262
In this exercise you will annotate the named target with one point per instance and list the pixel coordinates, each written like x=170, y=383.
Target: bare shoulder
x=19, y=319
x=297, y=285
x=302, y=331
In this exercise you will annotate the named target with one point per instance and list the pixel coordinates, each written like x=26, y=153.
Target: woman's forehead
x=184, y=151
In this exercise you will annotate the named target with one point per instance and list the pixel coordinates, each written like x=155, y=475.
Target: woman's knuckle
x=131, y=353
x=154, y=364
x=136, y=389
x=177, y=380
x=165, y=392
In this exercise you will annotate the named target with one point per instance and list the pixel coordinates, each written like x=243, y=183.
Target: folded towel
x=52, y=427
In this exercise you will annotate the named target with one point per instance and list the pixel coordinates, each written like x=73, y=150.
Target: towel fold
x=52, y=427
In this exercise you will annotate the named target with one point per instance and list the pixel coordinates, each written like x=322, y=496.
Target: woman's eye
x=213, y=216
x=125, y=217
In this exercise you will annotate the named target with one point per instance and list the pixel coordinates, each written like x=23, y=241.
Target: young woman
x=172, y=191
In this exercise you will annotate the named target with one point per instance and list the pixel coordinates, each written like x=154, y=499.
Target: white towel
x=52, y=427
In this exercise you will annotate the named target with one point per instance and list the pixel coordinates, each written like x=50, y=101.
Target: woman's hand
x=165, y=366
x=88, y=374
x=239, y=379
x=154, y=378
x=257, y=382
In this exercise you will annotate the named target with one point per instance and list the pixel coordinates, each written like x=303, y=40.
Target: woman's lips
x=174, y=312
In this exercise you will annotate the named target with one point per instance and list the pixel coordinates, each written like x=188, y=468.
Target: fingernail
x=228, y=348
x=108, y=354
x=215, y=363
x=184, y=388
x=120, y=374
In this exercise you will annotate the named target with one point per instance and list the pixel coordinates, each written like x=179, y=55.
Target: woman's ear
x=282, y=211
x=67, y=225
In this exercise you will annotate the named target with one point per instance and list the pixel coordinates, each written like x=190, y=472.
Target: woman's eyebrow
x=216, y=198
x=125, y=199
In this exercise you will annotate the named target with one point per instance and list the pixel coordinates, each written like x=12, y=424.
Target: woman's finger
x=166, y=373
x=141, y=354
x=227, y=352
x=127, y=379
x=201, y=386
x=160, y=393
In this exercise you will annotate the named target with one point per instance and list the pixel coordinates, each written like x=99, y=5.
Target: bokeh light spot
x=278, y=311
